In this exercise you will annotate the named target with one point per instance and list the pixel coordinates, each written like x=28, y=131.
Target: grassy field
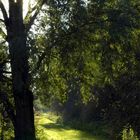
x=48, y=129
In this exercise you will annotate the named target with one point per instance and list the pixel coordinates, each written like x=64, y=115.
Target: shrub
x=128, y=134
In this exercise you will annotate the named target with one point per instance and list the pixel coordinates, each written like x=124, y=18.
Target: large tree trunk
x=24, y=120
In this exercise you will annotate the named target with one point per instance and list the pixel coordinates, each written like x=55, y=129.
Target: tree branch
x=59, y=40
x=6, y=72
x=3, y=42
x=40, y=59
x=29, y=13
x=1, y=20
x=2, y=33
x=36, y=9
x=4, y=13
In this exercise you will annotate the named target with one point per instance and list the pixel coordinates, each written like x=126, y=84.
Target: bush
x=128, y=134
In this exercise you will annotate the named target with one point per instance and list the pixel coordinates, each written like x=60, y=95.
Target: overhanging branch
x=4, y=13
x=31, y=18
x=40, y=59
x=60, y=39
x=29, y=13
x=2, y=33
x=1, y=20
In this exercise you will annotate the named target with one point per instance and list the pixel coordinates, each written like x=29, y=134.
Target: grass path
x=50, y=130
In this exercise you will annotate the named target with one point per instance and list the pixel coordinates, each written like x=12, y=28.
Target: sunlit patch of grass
x=50, y=130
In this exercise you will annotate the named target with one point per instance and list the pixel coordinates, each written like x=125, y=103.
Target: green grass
x=49, y=129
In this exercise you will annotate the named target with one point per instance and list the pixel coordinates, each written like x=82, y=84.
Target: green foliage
x=128, y=134
x=6, y=129
x=91, y=49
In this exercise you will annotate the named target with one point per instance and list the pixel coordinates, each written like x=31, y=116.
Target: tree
x=21, y=114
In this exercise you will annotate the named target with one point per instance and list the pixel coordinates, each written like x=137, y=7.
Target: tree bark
x=23, y=97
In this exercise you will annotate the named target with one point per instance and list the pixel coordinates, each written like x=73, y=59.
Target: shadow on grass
x=55, y=126
x=76, y=134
